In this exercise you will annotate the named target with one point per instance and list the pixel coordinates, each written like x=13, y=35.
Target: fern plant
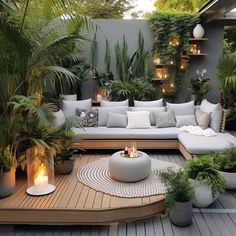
x=178, y=187
x=204, y=169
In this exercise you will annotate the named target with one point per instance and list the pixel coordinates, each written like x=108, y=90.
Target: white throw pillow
x=153, y=112
x=59, y=118
x=216, y=113
x=181, y=109
x=138, y=120
x=70, y=106
x=156, y=103
x=114, y=104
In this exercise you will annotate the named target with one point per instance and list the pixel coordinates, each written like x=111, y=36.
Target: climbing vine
x=171, y=33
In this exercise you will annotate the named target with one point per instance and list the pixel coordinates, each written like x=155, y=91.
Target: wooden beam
x=184, y=152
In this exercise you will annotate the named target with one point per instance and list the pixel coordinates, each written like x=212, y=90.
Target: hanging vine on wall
x=171, y=33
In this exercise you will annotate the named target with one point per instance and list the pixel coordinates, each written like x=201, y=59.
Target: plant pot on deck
x=181, y=213
x=230, y=179
x=7, y=183
x=64, y=167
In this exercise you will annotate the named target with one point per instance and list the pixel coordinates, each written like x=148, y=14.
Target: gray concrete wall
x=114, y=30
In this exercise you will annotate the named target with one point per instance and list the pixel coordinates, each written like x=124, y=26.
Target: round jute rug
x=96, y=175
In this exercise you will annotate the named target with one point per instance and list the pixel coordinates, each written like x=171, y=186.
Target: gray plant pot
x=7, y=183
x=230, y=179
x=64, y=167
x=181, y=213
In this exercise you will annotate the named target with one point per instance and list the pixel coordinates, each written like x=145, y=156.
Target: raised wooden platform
x=74, y=203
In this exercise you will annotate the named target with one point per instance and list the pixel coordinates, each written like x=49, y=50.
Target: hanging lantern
x=174, y=41
x=161, y=73
x=40, y=171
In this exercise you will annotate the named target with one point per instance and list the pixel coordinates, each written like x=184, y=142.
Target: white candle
x=99, y=97
x=41, y=182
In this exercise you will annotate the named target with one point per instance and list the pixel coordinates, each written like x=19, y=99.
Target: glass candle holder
x=40, y=171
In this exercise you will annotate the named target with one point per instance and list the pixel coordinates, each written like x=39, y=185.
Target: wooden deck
x=219, y=219
x=74, y=203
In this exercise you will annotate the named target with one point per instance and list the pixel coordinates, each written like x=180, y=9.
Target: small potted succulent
x=178, y=197
x=226, y=165
x=205, y=179
x=64, y=162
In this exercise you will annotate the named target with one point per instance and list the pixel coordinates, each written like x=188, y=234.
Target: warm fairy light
x=99, y=97
x=172, y=85
x=172, y=62
x=182, y=67
x=163, y=90
x=174, y=42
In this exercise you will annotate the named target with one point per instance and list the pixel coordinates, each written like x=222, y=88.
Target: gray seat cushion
x=124, y=133
x=203, y=145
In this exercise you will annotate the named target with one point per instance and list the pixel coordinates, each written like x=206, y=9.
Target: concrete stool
x=128, y=169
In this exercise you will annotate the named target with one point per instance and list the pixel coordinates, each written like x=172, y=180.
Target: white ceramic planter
x=230, y=179
x=198, y=31
x=202, y=194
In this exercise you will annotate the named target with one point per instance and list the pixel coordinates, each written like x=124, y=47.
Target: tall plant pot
x=7, y=182
x=230, y=179
x=202, y=194
x=181, y=213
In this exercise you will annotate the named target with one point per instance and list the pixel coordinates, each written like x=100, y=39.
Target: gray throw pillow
x=103, y=113
x=153, y=112
x=114, y=104
x=116, y=120
x=185, y=120
x=203, y=118
x=156, y=103
x=181, y=109
x=86, y=118
x=165, y=119
x=216, y=113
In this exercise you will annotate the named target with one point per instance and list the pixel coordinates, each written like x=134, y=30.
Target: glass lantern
x=40, y=171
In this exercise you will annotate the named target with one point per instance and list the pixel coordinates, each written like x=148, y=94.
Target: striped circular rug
x=96, y=175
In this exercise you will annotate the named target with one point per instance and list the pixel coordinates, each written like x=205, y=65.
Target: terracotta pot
x=181, y=213
x=7, y=182
x=64, y=167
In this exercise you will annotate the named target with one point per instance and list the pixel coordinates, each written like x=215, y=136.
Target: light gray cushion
x=70, y=106
x=153, y=112
x=103, y=113
x=202, y=118
x=138, y=120
x=156, y=103
x=59, y=118
x=103, y=132
x=114, y=104
x=216, y=113
x=203, y=145
x=116, y=120
x=165, y=119
x=181, y=109
x=185, y=120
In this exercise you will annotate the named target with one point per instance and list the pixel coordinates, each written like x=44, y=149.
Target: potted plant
x=199, y=86
x=226, y=164
x=7, y=172
x=64, y=162
x=205, y=179
x=178, y=197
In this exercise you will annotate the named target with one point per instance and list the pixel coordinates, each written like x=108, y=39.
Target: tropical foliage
x=178, y=187
x=204, y=169
x=133, y=73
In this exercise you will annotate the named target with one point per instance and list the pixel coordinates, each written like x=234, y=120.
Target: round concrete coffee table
x=128, y=169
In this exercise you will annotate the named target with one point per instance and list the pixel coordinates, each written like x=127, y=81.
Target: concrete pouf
x=129, y=169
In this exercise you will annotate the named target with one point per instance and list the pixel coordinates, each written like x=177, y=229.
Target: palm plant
x=226, y=75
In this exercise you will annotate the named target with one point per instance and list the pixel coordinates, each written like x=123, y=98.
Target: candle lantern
x=40, y=171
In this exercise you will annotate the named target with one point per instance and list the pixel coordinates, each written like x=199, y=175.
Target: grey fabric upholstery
x=181, y=109
x=124, y=133
x=156, y=103
x=203, y=118
x=165, y=119
x=203, y=145
x=185, y=120
x=116, y=120
x=114, y=104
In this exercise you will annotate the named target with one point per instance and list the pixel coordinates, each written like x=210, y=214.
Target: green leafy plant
x=200, y=85
x=166, y=26
x=226, y=159
x=178, y=187
x=226, y=75
x=204, y=169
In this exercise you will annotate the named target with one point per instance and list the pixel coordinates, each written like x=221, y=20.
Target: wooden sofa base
x=141, y=144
